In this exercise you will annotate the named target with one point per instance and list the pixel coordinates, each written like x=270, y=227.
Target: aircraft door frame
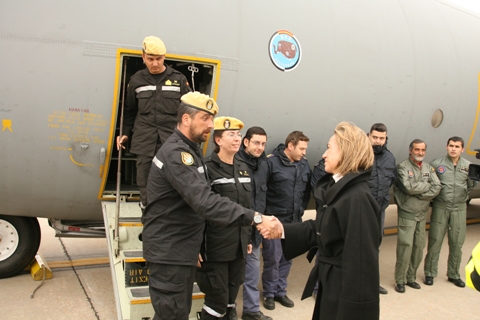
x=201, y=73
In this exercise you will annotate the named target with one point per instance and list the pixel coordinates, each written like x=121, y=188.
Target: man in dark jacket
x=283, y=190
x=252, y=152
x=151, y=106
x=179, y=200
x=384, y=171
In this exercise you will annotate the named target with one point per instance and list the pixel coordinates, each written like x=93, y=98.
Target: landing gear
x=19, y=242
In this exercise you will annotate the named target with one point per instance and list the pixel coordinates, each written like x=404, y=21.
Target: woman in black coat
x=346, y=231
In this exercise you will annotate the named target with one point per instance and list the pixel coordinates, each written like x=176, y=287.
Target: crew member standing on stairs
x=151, y=108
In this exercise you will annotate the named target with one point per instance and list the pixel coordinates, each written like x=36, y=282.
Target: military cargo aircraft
x=282, y=65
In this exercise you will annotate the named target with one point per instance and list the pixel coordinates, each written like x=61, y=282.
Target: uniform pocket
x=279, y=177
x=171, y=99
x=389, y=174
x=143, y=98
x=247, y=186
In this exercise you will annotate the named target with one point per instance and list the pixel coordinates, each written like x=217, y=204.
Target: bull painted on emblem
x=288, y=49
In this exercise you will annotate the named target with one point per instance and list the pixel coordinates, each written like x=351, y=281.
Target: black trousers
x=220, y=281
x=143, y=169
x=171, y=290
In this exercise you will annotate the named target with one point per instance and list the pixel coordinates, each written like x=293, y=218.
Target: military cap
x=154, y=46
x=227, y=123
x=200, y=101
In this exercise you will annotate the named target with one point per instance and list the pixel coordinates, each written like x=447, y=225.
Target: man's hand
x=121, y=141
x=270, y=228
x=249, y=249
x=199, y=261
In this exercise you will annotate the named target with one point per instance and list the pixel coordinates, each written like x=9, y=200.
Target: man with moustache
x=179, y=200
x=417, y=184
x=384, y=172
x=252, y=152
x=449, y=212
x=151, y=106
x=283, y=190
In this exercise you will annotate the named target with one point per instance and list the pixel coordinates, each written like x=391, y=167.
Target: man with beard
x=417, y=184
x=449, y=212
x=283, y=190
x=179, y=200
x=252, y=152
x=383, y=172
x=151, y=106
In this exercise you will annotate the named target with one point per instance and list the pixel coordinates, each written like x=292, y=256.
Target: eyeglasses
x=258, y=143
x=233, y=135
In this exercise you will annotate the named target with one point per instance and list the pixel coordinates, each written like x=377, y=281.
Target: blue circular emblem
x=284, y=50
x=441, y=169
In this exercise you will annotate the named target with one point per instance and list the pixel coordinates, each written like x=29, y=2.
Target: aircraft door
x=201, y=75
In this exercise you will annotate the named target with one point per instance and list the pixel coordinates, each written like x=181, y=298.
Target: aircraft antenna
x=119, y=167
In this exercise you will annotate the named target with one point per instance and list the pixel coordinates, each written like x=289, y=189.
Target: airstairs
x=129, y=269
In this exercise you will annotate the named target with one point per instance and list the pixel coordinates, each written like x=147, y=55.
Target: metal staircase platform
x=129, y=268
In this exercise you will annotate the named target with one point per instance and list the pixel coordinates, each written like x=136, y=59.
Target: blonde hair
x=356, y=151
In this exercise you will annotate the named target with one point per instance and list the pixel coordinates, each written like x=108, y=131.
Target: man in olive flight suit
x=416, y=185
x=449, y=212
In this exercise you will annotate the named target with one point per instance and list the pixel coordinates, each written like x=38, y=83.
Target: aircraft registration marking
x=77, y=125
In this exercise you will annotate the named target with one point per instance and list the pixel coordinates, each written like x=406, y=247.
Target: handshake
x=270, y=227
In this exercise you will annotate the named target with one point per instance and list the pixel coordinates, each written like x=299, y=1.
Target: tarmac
x=86, y=292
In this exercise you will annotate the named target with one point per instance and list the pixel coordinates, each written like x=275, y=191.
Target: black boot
x=231, y=314
x=207, y=316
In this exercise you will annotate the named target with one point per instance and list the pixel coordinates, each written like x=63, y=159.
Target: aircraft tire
x=23, y=233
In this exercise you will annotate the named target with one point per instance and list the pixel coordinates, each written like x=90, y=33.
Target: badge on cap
x=410, y=173
x=187, y=158
x=209, y=105
x=226, y=124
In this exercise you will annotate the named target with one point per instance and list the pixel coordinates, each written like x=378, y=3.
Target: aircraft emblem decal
x=285, y=51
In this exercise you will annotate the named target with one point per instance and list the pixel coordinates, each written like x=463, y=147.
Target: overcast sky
x=473, y=5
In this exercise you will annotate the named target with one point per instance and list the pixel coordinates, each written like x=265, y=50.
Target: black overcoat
x=346, y=231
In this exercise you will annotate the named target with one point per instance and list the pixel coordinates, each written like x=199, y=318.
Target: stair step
x=132, y=255
x=141, y=294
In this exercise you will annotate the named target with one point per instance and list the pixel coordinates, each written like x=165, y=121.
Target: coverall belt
x=443, y=205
